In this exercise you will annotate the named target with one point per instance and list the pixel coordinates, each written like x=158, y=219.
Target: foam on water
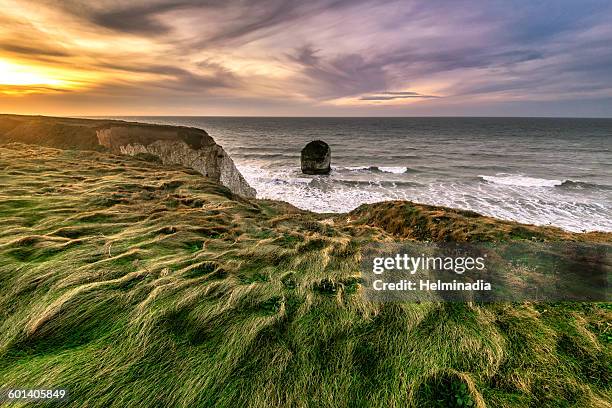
x=379, y=169
x=511, y=197
x=521, y=180
x=395, y=170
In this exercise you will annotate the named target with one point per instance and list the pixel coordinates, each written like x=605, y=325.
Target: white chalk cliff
x=186, y=146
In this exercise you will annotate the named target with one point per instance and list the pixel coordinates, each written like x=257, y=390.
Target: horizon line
x=308, y=116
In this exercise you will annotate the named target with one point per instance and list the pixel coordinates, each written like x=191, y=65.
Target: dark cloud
x=355, y=74
x=33, y=51
x=401, y=93
x=23, y=38
x=257, y=17
x=188, y=81
x=32, y=89
x=343, y=75
x=133, y=20
x=242, y=18
x=214, y=76
x=143, y=18
x=389, y=96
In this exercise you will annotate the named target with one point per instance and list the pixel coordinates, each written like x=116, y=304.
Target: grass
x=152, y=286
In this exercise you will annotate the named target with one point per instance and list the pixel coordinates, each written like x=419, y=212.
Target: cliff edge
x=186, y=146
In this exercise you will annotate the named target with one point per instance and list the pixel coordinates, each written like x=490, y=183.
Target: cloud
x=30, y=89
x=140, y=19
x=393, y=95
x=235, y=18
x=209, y=76
x=320, y=52
x=342, y=75
x=34, y=51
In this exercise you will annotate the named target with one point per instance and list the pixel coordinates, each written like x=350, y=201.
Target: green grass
x=155, y=287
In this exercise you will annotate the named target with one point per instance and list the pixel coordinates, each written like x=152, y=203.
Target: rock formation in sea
x=316, y=158
x=186, y=146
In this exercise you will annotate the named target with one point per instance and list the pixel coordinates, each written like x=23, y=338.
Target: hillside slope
x=131, y=284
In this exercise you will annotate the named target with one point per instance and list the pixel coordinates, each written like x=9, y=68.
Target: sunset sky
x=306, y=58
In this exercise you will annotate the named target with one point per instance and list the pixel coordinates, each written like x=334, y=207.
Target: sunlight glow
x=14, y=74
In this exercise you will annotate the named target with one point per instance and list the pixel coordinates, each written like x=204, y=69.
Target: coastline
x=415, y=159
x=84, y=133
x=112, y=265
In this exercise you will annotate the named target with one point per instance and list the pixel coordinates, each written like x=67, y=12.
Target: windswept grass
x=133, y=284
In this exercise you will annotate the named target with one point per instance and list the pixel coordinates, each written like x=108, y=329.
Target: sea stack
x=316, y=158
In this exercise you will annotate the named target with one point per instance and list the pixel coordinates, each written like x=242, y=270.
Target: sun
x=21, y=78
x=14, y=74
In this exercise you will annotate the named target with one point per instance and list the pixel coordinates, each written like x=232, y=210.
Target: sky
x=306, y=58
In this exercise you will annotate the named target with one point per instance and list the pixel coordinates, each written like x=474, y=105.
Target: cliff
x=189, y=147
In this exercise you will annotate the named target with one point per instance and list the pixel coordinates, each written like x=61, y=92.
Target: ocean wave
x=377, y=169
x=582, y=185
x=265, y=156
x=525, y=181
x=379, y=183
x=394, y=170
x=520, y=180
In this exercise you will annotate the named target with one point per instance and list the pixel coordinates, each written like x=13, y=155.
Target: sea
x=543, y=171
